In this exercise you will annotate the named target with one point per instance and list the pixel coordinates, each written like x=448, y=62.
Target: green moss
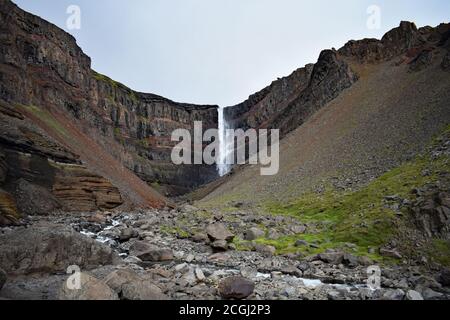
x=47, y=118
x=361, y=217
x=106, y=79
x=440, y=251
x=175, y=231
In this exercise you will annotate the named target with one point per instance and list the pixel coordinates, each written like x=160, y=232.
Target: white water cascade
x=225, y=145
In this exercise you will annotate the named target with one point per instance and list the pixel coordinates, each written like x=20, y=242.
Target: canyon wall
x=288, y=102
x=85, y=140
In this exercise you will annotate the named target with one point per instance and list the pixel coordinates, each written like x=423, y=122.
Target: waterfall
x=225, y=145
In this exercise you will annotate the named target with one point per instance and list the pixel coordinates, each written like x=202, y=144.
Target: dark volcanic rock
x=431, y=213
x=50, y=248
x=236, y=288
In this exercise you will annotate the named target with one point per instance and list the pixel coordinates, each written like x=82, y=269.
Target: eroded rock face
x=288, y=102
x=431, y=213
x=45, y=73
x=50, y=248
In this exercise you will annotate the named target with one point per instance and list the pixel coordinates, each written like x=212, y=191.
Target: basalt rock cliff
x=77, y=138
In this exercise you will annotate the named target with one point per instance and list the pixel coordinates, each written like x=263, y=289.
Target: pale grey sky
x=220, y=51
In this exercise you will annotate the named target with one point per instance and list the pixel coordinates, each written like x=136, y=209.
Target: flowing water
x=225, y=145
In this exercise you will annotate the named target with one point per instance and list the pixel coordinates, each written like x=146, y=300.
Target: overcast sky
x=220, y=51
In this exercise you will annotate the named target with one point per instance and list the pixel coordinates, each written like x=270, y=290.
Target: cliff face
x=91, y=139
x=288, y=102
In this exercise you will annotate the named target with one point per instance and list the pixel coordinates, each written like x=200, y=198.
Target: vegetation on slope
x=364, y=219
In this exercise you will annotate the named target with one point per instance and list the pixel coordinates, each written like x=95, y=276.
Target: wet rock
x=253, y=234
x=413, y=295
x=218, y=231
x=236, y=288
x=90, y=289
x=128, y=233
x=51, y=248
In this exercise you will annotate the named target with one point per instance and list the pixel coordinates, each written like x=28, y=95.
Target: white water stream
x=226, y=145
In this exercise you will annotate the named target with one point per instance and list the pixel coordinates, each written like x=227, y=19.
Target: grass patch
x=47, y=118
x=362, y=218
x=440, y=251
x=175, y=231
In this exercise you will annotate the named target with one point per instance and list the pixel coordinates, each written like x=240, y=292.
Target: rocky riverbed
x=148, y=255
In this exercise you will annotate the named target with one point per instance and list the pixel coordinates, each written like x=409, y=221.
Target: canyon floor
x=197, y=253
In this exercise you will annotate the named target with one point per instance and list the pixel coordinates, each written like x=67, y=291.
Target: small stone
x=301, y=243
x=180, y=267
x=190, y=258
x=220, y=245
x=199, y=274
x=253, y=234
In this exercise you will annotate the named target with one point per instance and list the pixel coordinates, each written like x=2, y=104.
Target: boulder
x=413, y=295
x=220, y=245
x=391, y=294
x=267, y=250
x=200, y=237
x=331, y=257
x=90, y=289
x=253, y=234
x=51, y=248
x=236, y=288
x=142, y=290
x=130, y=286
x=218, y=231
x=127, y=233
x=148, y=252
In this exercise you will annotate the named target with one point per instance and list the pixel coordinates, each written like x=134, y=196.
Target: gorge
x=87, y=179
